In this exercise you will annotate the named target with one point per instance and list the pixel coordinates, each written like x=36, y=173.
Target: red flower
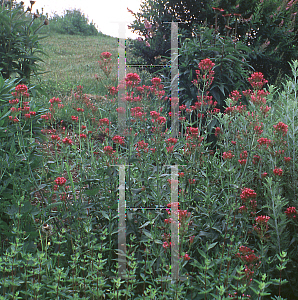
x=133, y=77
x=106, y=55
x=156, y=81
x=108, y=150
x=287, y=159
x=264, y=141
x=186, y=257
x=235, y=96
x=281, y=127
x=278, y=171
x=242, y=161
x=227, y=155
x=247, y=194
x=217, y=131
x=118, y=139
x=291, y=212
x=21, y=89
x=262, y=220
x=67, y=141
x=55, y=100
x=60, y=181
x=257, y=80
x=55, y=137
x=206, y=64
x=83, y=135
x=74, y=118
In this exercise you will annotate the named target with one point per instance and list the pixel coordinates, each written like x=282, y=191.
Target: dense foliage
x=99, y=199
x=19, y=41
x=267, y=27
x=72, y=22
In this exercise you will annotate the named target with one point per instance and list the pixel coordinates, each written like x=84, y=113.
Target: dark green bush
x=267, y=27
x=19, y=41
x=73, y=22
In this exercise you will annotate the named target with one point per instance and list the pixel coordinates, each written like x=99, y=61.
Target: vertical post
x=174, y=224
x=121, y=127
x=121, y=224
x=121, y=81
x=174, y=79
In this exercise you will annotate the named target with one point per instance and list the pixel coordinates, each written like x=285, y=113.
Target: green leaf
x=148, y=234
x=212, y=246
x=92, y=192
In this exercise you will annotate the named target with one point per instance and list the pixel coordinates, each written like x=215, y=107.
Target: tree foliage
x=267, y=27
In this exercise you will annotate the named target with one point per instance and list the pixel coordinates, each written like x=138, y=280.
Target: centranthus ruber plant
x=235, y=207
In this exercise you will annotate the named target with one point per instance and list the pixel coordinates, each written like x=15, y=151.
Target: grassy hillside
x=72, y=60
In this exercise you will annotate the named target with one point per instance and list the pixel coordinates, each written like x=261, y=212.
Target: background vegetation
x=59, y=185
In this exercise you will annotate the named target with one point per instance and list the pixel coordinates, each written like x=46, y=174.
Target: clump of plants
x=200, y=222
x=73, y=22
x=19, y=41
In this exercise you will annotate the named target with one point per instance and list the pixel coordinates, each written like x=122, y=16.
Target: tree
x=267, y=27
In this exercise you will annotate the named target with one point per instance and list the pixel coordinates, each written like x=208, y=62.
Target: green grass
x=72, y=60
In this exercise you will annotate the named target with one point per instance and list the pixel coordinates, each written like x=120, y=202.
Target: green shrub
x=19, y=42
x=73, y=22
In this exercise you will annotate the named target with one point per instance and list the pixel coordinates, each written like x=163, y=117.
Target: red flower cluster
x=261, y=226
x=291, y=212
x=74, y=118
x=235, y=96
x=132, y=79
x=281, y=127
x=21, y=90
x=60, y=181
x=278, y=171
x=68, y=141
x=156, y=81
x=55, y=100
x=227, y=155
x=46, y=117
x=257, y=80
x=108, y=150
x=118, y=139
x=104, y=121
x=106, y=55
x=247, y=255
x=185, y=257
x=206, y=65
x=248, y=199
